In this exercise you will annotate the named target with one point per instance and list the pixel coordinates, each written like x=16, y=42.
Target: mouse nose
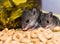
x=44, y=26
x=23, y=26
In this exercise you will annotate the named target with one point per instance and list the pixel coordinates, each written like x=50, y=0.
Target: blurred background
x=51, y=5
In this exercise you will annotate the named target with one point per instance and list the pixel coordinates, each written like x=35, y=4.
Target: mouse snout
x=25, y=23
x=43, y=25
x=23, y=26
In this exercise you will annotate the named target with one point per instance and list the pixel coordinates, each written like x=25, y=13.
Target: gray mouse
x=29, y=18
x=47, y=20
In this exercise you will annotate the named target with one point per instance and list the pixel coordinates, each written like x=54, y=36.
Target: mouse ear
x=34, y=10
x=50, y=14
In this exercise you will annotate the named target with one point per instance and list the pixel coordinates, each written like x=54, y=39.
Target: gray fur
x=29, y=18
x=48, y=20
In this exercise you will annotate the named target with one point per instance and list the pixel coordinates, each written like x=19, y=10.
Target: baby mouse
x=47, y=20
x=29, y=18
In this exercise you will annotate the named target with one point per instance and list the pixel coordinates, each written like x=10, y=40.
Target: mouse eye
x=40, y=21
x=27, y=21
x=47, y=21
